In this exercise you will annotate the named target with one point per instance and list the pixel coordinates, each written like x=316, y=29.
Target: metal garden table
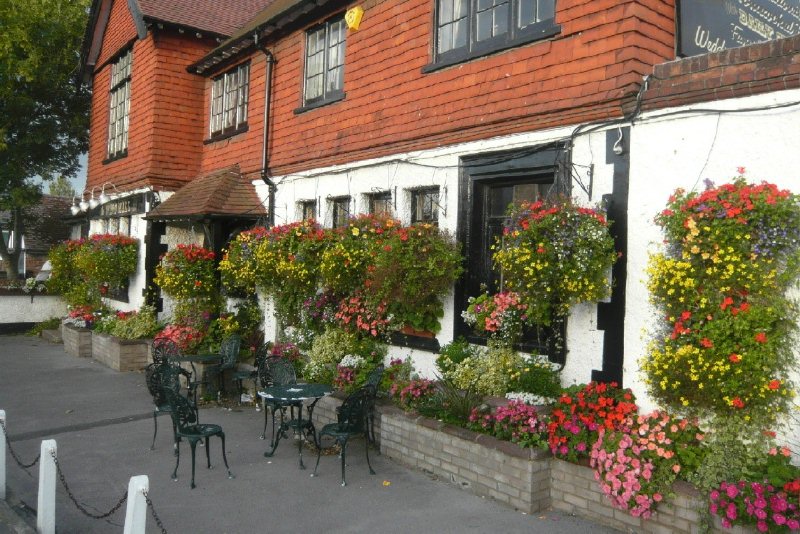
x=294, y=393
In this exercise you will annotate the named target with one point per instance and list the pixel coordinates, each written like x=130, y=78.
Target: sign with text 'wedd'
x=713, y=25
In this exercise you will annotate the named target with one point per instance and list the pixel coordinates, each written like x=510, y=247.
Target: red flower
x=761, y=337
x=736, y=402
x=774, y=384
x=728, y=301
x=735, y=358
x=707, y=343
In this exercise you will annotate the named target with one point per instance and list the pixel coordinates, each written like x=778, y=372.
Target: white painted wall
x=682, y=150
x=402, y=173
x=30, y=308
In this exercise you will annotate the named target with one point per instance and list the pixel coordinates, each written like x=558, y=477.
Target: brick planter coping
x=121, y=354
x=530, y=480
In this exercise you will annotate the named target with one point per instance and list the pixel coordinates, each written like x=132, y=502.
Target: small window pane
x=460, y=34
x=445, y=38
x=445, y=11
x=547, y=9
x=425, y=206
x=460, y=9
x=324, y=68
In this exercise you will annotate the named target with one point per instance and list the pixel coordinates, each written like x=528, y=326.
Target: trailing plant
x=636, y=463
x=413, y=269
x=188, y=275
x=555, y=255
x=501, y=316
x=187, y=338
x=238, y=266
x=721, y=286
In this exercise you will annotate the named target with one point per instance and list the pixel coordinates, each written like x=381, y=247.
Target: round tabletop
x=296, y=391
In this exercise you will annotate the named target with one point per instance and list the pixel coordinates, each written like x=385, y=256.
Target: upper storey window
x=470, y=28
x=324, y=74
x=120, y=106
x=229, y=96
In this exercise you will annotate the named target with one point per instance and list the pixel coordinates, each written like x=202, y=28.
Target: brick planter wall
x=77, y=341
x=121, y=354
x=525, y=479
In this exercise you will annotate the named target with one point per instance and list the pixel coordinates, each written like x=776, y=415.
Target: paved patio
x=102, y=422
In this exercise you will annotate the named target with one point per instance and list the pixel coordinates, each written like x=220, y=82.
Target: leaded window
x=119, y=105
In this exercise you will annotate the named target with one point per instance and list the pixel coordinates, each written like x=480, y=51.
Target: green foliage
x=188, y=274
x=44, y=112
x=490, y=372
x=450, y=403
x=61, y=187
x=49, y=324
x=140, y=324
x=330, y=347
x=454, y=353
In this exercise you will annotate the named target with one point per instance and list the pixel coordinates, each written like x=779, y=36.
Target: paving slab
x=102, y=422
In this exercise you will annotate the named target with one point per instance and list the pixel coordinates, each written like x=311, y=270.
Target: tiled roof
x=221, y=17
x=225, y=193
x=44, y=223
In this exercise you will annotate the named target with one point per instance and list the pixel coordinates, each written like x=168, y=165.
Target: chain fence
x=16, y=458
x=153, y=512
x=75, y=501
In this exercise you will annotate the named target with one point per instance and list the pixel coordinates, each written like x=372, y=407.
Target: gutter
x=270, y=62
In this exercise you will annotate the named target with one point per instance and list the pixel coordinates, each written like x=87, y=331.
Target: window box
x=121, y=354
x=77, y=341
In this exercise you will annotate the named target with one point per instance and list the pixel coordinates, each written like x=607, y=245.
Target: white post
x=2, y=456
x=136, y=510
x=46, y=514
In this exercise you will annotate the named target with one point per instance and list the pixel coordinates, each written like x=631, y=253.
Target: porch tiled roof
x=223, y=194
x=222, y=18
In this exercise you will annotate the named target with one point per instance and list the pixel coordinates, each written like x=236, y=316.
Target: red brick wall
x=604, y=49
x=736, y=72
x=165, y=139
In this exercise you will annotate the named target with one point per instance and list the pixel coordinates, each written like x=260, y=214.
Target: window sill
x=457, y=58
x=115, y=157
x=226, y=135
x=430, y=344
x=319, y=104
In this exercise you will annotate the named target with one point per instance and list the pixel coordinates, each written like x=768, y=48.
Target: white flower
x=351, y=361
x=530, y=398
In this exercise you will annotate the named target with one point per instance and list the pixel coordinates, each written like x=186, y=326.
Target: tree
x=44, y=109
x=62, y=187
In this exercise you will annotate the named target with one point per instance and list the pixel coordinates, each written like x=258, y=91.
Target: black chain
x=76, y=503
x=153, y=512
x=13, y=454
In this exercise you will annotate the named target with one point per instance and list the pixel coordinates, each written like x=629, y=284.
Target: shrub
x=516, y=422
x=131, y=325
x=329, y=348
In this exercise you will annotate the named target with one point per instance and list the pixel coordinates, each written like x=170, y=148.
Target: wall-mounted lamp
x=83, y=204
x=619, y=147
x=75, y=209
x=353, y=17
x=103, y=196
x=93, y=202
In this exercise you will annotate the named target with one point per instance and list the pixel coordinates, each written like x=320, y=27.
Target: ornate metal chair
x=164, y=349
x=352, y=422
x=228, y=352
x=261, y=354
x=184, y=418
x=160, y=377
x=276, y=371
x=374, y=381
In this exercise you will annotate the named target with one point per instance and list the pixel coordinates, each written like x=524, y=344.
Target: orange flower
x=774, y=384
x=735, y=358
x=761, y=337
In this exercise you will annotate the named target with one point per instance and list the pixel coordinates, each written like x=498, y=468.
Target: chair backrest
x=181, y=410
x=229, y=351
x=163, y=376
x=375, y=376
x=164, y=349
x=262, y=353
x=278, y=371
x=353, y=411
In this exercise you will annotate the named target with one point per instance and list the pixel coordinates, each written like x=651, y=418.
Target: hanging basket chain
x=14, y=454
x=74, y=500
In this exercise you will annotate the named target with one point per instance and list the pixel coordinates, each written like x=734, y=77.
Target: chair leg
x=208, y=453
x=319, y=453
x=344, y=453
x=193, y=443
x=155, y=429
x=177, y=460
x=224, y=455
x=366, y=448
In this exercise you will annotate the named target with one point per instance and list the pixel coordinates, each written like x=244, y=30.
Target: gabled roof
x=276, y=15
x=223, y=194
x=213, y=18
x=44, y=223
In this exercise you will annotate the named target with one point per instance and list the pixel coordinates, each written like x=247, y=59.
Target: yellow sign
x=353, y=17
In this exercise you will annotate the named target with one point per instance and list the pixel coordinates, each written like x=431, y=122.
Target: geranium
x=637, y=463
x=185, y=337
x=732, y=252
x=412, y=394
x=357, y=317
x=516, y=422
x=555, y=255
x=501, y=316
x=579, y=414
